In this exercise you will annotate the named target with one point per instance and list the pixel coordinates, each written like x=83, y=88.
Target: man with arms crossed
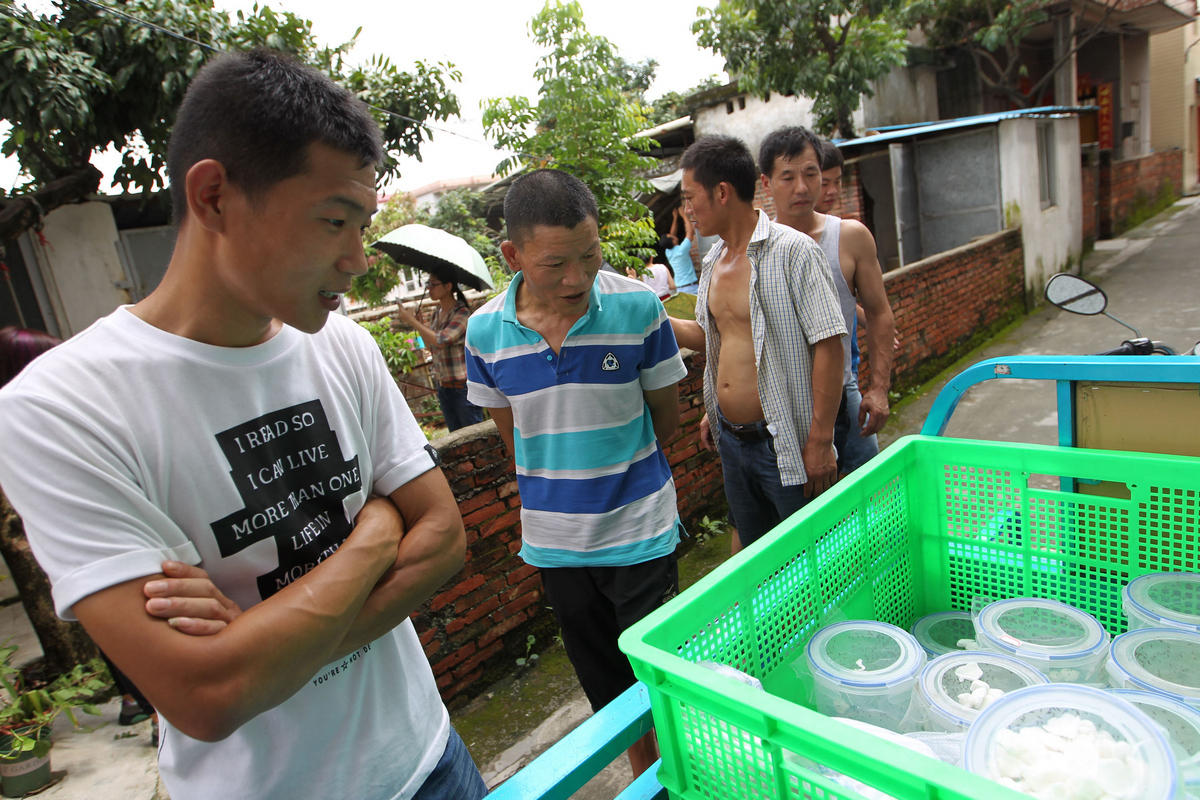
x=580, y=371
x=230, y=420
x=768, y=319
x=847, y=243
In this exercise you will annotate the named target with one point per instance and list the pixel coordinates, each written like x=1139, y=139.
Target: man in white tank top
x=847, y=244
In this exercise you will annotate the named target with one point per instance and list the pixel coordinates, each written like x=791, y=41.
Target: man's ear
x=511, y=255
x=207, y=192
x=766, y=183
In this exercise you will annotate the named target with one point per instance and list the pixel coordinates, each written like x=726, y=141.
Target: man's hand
x=873, y=412
x=382, y=512
x=706, y=437
x=820, y=462
x=189, y=601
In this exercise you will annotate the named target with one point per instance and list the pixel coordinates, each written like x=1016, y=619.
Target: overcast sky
x=488, y=41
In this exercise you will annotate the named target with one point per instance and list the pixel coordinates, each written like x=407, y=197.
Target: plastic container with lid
x=864, y=670
x=1163, y=660
x=1163, y=600
x=941, y=632
x=1063, y=740
x=1182, y=725
x=948, y=676
x=1063, y=643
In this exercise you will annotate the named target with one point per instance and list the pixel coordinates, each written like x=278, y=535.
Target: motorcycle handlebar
x=1136, y=347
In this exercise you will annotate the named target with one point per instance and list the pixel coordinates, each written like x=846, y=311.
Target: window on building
x=1046, y=166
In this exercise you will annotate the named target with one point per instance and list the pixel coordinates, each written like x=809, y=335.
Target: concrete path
x=1153, y=283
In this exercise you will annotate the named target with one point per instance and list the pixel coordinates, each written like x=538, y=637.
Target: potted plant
x=27, y=711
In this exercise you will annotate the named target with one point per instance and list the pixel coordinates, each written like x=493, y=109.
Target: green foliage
x=399, y=348
x=77, y=79
x=584, y=123
x=530, y=657
x=29, y=710
x=829, y=50
x=462, y=212
x=708, y=528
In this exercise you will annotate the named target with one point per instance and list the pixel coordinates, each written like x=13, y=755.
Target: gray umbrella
x=441, y=254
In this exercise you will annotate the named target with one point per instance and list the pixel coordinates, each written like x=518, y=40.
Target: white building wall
x=79, y=261
x=906, y=95
x=1135, y=94
x=1053, y=236
x=750, y=118
x=1174, y=71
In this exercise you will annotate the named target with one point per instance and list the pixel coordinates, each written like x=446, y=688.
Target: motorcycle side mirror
x=1073, y=293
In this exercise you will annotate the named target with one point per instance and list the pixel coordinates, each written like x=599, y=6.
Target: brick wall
x=1136, y=182
x=946, y=304
x=1089, y=195
x=476, y=625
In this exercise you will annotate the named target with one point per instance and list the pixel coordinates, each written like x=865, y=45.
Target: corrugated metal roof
x=896, y=132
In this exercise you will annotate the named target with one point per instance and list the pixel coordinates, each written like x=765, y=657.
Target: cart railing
x=579, y=756
x=1064, y=371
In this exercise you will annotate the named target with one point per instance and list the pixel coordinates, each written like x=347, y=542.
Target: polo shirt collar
x=595, y=301
x=762, y=228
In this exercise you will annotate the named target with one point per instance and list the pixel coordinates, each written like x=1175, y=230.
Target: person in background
x=657, y=276
x=679, y=253
x=445, y=336
x=768, y=318
x=581, y=372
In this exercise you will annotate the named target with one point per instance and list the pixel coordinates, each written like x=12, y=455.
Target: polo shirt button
x=549, y=358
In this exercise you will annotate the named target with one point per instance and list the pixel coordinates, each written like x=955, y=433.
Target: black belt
x=747, y=432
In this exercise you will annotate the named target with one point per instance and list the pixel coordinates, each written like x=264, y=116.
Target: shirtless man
x=767, y=317
x=797, y=176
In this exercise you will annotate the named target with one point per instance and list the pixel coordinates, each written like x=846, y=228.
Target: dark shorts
x=594, y=605
x=853, y=449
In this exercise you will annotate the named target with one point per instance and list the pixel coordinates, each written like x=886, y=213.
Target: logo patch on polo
x=610, y=363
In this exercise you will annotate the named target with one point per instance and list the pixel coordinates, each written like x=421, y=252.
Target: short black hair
x=547, y=197
x=831, y=156
x=787, y=142
x=721, y=159
x=257, y=113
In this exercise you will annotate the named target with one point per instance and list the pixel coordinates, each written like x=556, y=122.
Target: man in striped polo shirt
x=580, y=370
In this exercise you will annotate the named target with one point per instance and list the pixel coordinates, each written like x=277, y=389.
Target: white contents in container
x=955, y=687
x=1181, y=723
x=944, y=632
x=1163, y=600
x=1063, y=643
x=1164, y=660
x=1068, y=742
x=864, y=670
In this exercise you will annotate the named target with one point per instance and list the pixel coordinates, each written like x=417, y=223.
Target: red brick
x=521, y=573
x=478, y=501
x=454, y=658
x=507, y=490
x=477, y=660
x=482, y=610
x=509, y=623
x=507, y=520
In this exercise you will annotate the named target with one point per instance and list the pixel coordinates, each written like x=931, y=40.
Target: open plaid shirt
x=449, y=352
x=793, y=305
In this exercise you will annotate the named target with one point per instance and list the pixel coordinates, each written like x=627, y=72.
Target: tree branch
x=19, y=214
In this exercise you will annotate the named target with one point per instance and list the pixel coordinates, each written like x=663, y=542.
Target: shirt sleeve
x=813, y=292
x=399, y=449
x=88, y=518
x=481, y=383
x=661, y=365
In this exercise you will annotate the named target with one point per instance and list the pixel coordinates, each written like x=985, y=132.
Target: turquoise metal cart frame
x=584, y=752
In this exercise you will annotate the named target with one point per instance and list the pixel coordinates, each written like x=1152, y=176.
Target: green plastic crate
x=929, y=525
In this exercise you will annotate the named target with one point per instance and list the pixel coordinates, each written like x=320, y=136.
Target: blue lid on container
x=1036, y=628
x=865, y=654
x=1169, y=599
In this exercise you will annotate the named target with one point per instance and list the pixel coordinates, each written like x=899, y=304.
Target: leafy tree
x=77, y=79
x=992, y=33
x=463, y=212
x=829, y=50
x=584, y=123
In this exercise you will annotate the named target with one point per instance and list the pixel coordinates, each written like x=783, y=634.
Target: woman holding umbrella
x=444, y=337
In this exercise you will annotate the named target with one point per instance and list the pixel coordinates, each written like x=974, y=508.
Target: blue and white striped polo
x=596, y=488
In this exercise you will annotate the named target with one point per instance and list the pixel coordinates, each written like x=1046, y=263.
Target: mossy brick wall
x=1135, y=184
x=946, y=304
x=476, y=625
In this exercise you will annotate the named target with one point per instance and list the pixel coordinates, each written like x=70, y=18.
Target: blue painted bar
x=581, y=755
x=1064, y=369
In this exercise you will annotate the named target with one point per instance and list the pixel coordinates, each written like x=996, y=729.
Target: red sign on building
x=1104, y=122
